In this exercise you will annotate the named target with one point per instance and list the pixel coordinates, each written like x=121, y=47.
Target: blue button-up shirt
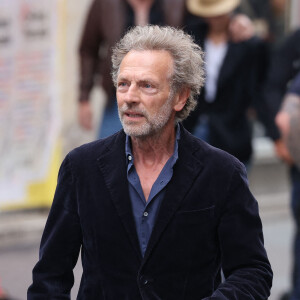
x=145, y=212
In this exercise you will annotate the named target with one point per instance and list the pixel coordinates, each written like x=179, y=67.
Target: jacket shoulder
x=91, y=151
x=210, y=155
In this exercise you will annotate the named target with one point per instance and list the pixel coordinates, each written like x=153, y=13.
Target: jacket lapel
x=186, y=170
x=232, y=58
x=112, y=164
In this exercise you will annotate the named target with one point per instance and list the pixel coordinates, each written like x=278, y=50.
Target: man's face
x=143, y=89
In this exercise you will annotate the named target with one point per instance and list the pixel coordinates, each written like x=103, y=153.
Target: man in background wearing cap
x=234, y=76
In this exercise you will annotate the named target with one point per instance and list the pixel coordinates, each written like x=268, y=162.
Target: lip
x=133, y=114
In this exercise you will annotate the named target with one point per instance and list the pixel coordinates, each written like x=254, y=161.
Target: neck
x=218, y=37
x=154, y=149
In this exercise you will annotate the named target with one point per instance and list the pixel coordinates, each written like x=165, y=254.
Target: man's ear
x=181, y=98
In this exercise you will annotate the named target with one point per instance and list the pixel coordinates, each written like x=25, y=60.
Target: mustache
x=135, y=110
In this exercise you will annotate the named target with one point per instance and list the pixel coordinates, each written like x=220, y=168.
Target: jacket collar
x=112, y=163
x=232, y=59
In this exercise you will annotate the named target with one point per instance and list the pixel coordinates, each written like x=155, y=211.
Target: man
x=288, y=122
x=282, y=81
x=156, y=212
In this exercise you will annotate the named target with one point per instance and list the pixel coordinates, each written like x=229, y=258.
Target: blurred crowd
x=238, y=49
x=252, y=73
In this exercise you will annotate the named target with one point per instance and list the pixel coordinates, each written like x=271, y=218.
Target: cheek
x=153, y=107
x=120, y=100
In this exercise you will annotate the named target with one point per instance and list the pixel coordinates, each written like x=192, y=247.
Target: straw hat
x=211, y=8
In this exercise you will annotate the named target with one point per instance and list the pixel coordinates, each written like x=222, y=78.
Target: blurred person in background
x=288, y=122
x=285, y=65
x=235, y=71
x=283, y=77
x=106, y=22
x=268, y=18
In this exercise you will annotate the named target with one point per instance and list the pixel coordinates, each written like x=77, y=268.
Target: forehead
x=148, y=62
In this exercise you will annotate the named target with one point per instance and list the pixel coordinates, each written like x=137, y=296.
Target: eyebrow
x=142, y=80
x=122, y=78
x=147, y=81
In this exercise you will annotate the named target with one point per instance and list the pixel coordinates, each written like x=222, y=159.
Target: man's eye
x=148, y=85
x=122, y=85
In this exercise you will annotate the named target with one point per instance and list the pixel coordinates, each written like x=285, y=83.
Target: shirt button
x=145, y=282
x=129, y=157
x=145, y=214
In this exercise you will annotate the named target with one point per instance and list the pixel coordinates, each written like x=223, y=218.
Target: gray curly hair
x=187, y=55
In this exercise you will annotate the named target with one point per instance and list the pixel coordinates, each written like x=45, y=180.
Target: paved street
x=16, y=263
x=268, y=181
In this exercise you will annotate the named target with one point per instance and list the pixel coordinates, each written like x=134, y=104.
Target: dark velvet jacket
x=207, y=220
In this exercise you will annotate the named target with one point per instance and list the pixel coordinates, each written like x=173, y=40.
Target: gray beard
x=153, y=124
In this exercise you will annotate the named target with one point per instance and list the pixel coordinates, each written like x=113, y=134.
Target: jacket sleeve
x=90, y=43
x=246, y=268
x=60, y=245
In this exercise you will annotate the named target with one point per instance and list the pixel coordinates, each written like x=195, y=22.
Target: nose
x=132, y=94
